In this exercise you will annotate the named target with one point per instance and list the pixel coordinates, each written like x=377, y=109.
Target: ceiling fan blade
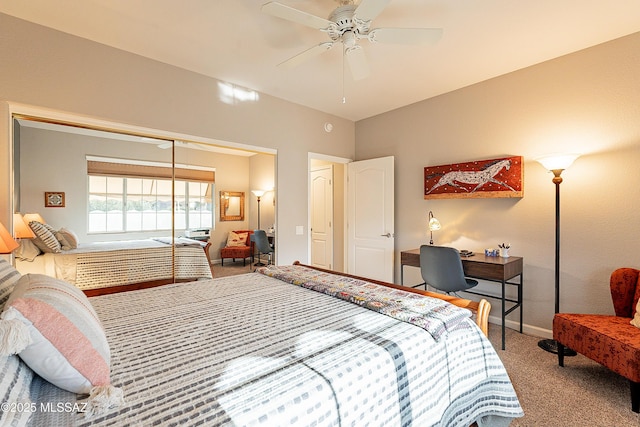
x=280, y=10
x=369, y=9
x=405, y=35
x=357, y=62
x=307, y=54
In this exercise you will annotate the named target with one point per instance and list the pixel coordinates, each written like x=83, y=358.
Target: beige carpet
x=232, y=268
x=582, y=394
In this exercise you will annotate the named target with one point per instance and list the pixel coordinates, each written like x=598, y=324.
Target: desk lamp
x=434, y=225
x=556, y=164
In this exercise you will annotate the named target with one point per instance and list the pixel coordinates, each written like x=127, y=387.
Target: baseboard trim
x=526, y=329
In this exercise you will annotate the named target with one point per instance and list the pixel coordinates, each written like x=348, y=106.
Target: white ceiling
x=232, y=40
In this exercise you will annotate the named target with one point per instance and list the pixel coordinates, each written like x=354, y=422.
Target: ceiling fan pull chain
x=344, y=99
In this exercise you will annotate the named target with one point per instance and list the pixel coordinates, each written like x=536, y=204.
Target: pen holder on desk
x=504, y=252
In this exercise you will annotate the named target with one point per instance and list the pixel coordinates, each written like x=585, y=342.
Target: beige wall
x=47, y=68
x=586, y=102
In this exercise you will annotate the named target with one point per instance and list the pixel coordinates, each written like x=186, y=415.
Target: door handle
x=386, y=235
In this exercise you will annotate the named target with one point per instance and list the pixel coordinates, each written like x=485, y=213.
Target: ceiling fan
x=348, y=24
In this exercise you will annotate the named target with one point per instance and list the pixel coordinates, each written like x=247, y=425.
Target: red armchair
x=609, y=340
x=243, y=251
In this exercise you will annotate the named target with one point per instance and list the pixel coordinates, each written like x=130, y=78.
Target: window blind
x=95, y=167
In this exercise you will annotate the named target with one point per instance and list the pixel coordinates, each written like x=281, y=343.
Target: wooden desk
x=479, y=266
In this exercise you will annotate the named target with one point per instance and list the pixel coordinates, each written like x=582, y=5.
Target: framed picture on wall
x=501, y=177
x=54, y=199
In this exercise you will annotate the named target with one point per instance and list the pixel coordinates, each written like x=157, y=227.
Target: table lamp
x=29, y=217
x=21, y=229
x=7, y=244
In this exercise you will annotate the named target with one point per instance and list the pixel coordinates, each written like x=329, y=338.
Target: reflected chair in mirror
x=263, y=246
x=239, y=245
x=441, y=268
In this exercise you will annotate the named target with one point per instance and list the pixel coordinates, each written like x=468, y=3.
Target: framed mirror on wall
x=231, y=206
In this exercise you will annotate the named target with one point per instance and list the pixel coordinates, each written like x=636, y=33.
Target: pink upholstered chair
x=245, y=251
x=609, y=340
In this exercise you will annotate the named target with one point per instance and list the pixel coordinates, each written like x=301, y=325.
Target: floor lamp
x=556, y=164
x=258, y=194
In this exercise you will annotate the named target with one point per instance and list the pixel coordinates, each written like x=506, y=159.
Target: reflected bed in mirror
x=231, y=206
x=97, y=216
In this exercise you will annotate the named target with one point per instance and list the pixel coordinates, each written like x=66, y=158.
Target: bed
x=290, y=345
x=105, y=267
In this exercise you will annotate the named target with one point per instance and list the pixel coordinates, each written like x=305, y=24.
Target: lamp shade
x=28, y=217
x=21, y=229
x=258, y=193
x=434, y=224
x=7, y=244
x=557, y=161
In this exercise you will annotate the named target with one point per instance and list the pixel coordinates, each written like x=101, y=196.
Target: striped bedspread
x=105, y=264
x=252, y=350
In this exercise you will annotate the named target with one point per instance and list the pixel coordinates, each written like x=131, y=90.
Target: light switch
x=299, y=230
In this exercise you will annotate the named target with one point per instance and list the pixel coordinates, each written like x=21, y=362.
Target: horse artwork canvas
x=502, y=177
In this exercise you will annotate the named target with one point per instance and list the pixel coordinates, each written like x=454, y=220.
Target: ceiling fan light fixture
x=349, y=40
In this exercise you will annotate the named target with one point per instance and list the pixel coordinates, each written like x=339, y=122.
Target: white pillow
x=67, y=238
x=54, y=329
x=27, y=251
x=237, y=239
x=636, y=318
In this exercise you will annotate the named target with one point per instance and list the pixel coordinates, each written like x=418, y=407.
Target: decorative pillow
x=45, y=239
x=67, y=238
x=8, y=278
x=48, y=227
x=15, y=385
x=54, y=329
x=27, y=251
x=237, y=239
x=636, y=318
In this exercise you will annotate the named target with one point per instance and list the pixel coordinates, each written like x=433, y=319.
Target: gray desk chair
x=441, y=268
x=263, y=246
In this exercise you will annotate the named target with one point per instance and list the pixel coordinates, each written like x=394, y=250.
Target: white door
x=370, y=227
x=322, y=217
